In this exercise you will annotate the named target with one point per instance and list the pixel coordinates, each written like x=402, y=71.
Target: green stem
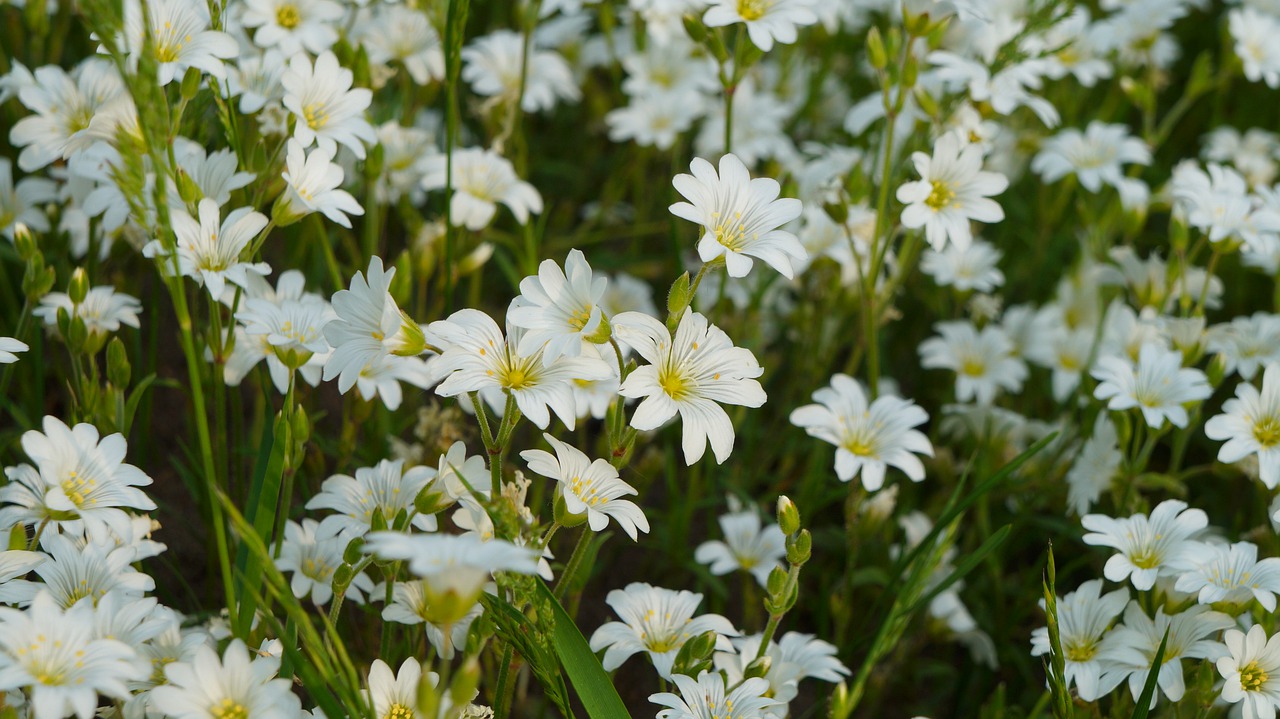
x=575, y=562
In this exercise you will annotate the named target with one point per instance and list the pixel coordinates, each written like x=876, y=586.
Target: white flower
x=328, y=110
x=103, y=311
x=386, y=487
x=707, y=696
x=312, y=551
x=99, y=567
x=22, y=203
x=654, y=120
x=9, y=349
x=404, y=34
x=868, y=438
x=293, y=328
x=1083, y=618
x=1250, y=424
x=766, y=20
x=476, y=356
x=492, y=66
x=1252, y=672
x=63, y=106
x=291, y=26
x=983, y=361
x=1218, y=203
x=1130, y=649
x=795, y=658
x=1254, y=32
x=481, y=179
x=1094, y=156
x=1159, y=385
x=409, y=606
x=1095, y=467
x=395, y=695
x=965, y=268
x=382, y=376
x=590, y=487
x=952, y=190
x=455, y=567
x=256, y=79
x=560, y=310
x=78, y=476
x=740, y=216
x=206, y=687
x=313, y=183
x=1247, y=343
x=656, y=621
x=1147, y=546
x=368, y=325
x=209, y=251
x=747, y=546
x=689, y=374
x=55, y=656
x=214, y=173
x=180, y=30
x=1230, y=573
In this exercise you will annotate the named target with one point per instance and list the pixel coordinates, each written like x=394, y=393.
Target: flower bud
x=777, y=581
x=799, y=548
x=354, y=551
x=679, y=296
x=466, y=682
x=24, y=241
x=788, y=515
x=758, y=667
x=78, y=286
x=342, y=577
x=118, y=369
x=190, y=83
x=875, y=49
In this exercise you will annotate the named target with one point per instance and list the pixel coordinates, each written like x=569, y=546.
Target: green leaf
x=264, y=498
x=968, y=565
x=1144, y=702
x=589, y=679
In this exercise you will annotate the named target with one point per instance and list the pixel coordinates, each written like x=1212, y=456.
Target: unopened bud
x=466, y=682
x=78, y=286
x=118, y=369
x=354, y=551
x=378, y=521
x=777, y=581
x=788, y=515
x=190, y=83
x=24, y=241
x=342, y=577
x=679, y=296
x=799, y=548
x=875, y=49
x=758, y=667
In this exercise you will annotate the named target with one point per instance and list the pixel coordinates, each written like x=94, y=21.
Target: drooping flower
x=869, y=438
x=740, y=216
x=952, y=190
x=689, y=374
x=368, y=325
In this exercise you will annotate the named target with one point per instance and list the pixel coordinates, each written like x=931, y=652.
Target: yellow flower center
x=1081, y=652
x=751, y=10
x=579, y=319
x=940, y=197
x=77, y=489
x=316, y=115
x=229, y=709
x=973, y=367
x=287, y=16
x=1267, y=431
x=1145, y=559
x=674, y=384
x=1252, y=677
x=731, y=234
x=398, y=711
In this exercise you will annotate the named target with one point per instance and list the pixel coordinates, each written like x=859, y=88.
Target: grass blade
x=1149, y=688
x=589, y=679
